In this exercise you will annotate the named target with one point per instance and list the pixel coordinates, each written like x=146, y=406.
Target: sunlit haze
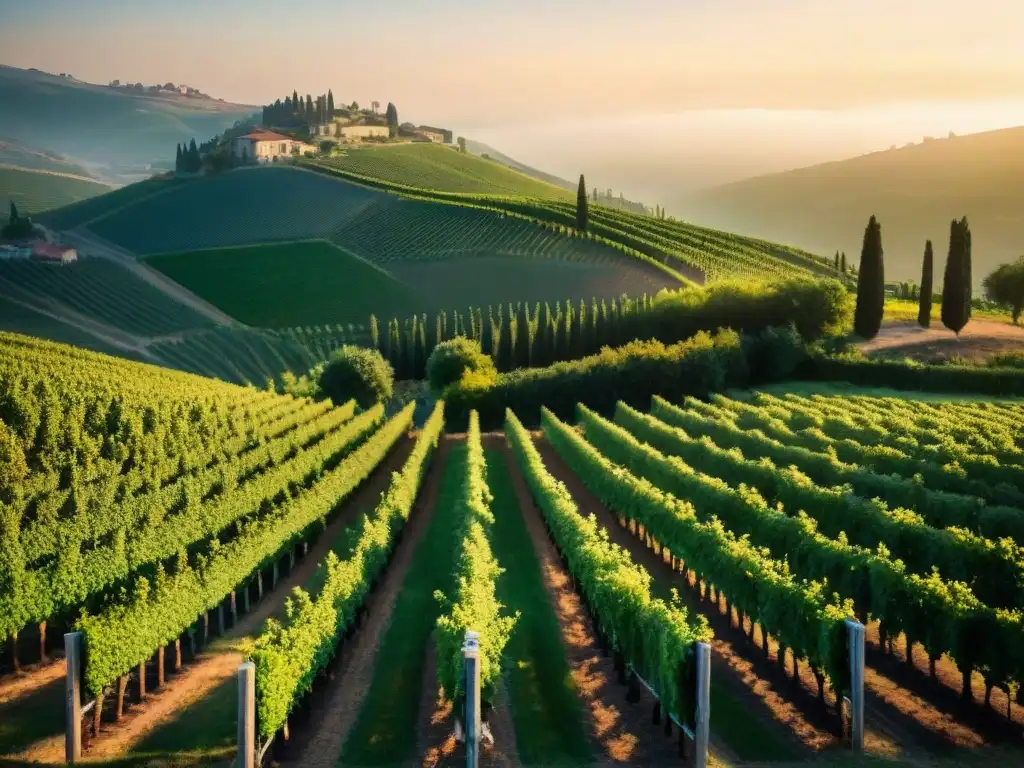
x=729, y=88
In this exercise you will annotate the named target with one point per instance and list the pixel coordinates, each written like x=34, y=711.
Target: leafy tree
x=1005, y=285
x=357, y=373
x=956, y=286
x=451, y=359
x=924, y=312
x=581, y=205
x=330, y=104
x=867, y=318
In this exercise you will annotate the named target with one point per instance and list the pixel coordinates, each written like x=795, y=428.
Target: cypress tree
x=924, y=312
x=562, y=333
x=505, y=359
x=541, y=350
x=956, y=286
x=579, y=334
x=487, y=334
x=177, y=159
x=374, y=333
x=867, y=319
x=837, y=261
x=842, y=263
x=330, y=103
x=581, y=205
x=296, y=104
x=522, y=335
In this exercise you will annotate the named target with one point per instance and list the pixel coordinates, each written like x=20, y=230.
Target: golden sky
x=499, y=61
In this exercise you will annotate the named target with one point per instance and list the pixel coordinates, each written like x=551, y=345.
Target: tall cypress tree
x=296, y=103
x=177, y=159
x=581, y=205
x=956, y=286
x=837, y=261
x=487, y=333
x=522, y=334
x=842, y=263
x=924, y=312
x=330, y=103
x=374, y=332
x=505, y=360
x=541, y=351
x=867, y=318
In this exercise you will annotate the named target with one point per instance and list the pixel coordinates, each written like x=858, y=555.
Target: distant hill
x=14, y=153
x=37, y=191
x=117, y=133
x=915, y=191
x=479, y=148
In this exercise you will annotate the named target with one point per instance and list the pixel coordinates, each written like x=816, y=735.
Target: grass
x=287, y=284
x=383, y=731
x=432, y=166
x=209, y=727
x=31, y=718
x=905, y=310
x=545, y=708
x=36, y=191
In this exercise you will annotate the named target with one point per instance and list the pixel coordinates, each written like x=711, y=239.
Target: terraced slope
x=37, y=191
x=444, y=168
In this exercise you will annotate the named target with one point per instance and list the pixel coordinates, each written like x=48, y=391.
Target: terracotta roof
x=261, y=135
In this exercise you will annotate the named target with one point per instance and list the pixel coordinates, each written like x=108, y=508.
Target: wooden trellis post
x=471, y=658
x=73, y=697
x=856, y=638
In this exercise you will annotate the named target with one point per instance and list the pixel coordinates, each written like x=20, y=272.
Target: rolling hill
x=915, y=192
x=37, y=191
x=433, y=166
x=116, y=133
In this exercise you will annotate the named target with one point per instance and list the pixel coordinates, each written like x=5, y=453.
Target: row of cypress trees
x=956, y=288
x=515, y=336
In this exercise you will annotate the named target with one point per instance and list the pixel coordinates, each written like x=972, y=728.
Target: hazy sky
x=499, y=61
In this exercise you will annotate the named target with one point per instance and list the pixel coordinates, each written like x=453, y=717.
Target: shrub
x=774, y=354
x=1012, y=359
x=451, y=359
x=907, y=374
x=357, y=373
x=632, y=373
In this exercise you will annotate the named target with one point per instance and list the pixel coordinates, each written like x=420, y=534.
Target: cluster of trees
x=187, y=159
x=17, y=226
x=956, y=289
x=295, y=110
x=1006, y=286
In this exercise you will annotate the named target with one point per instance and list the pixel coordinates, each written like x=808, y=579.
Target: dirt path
x=979, y=339
x=220, y=660
x=353, y=674
x=90, y=244
x=29, y=680
x=621, y=733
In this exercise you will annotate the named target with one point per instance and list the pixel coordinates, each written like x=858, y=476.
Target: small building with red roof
x=54, y=253
x=263, y=146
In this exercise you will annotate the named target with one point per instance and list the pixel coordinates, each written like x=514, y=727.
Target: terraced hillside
x=397, y=255
x=443, y=168
x=37, y=191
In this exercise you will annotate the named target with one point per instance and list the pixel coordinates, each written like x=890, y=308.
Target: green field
x=287, y=284
x=37, y=191
x=444, y=168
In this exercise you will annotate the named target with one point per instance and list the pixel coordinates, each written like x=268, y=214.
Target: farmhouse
x=54, y=254
x=340, y=130
x=263, y=146
x=436, y=135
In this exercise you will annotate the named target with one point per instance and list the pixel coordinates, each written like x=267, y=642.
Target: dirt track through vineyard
x=336, y=713
x=622, y=733
x=898, y=720
x=219, y=661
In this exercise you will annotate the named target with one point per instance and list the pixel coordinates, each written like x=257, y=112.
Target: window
x=284, y=148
